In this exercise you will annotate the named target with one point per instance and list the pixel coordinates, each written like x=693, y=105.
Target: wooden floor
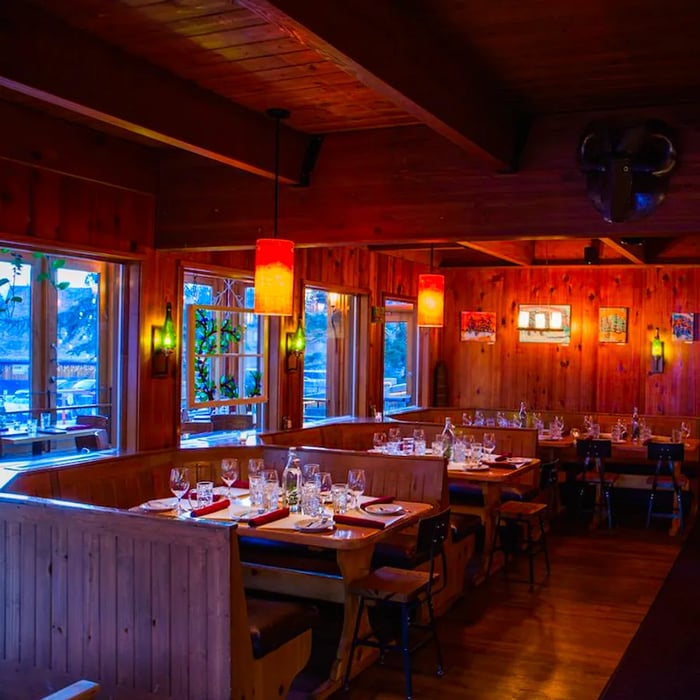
x=560, y=642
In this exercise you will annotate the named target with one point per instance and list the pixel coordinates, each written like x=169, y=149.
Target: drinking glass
x=356, y=485
x=202, y=493
x=379, y=441
x=256, y=465
x=309, y=472
x=489, y=443
x=311, y=498
x=325, y=485
x=477, y=452
x=339, y=494
x=271, y=489
x=229, y=473
x=45, y=420
x=256, y=486
x=179, y=485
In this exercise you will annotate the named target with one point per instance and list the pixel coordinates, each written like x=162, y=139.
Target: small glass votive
x=339, y=496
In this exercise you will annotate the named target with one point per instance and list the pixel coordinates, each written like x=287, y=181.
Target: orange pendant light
x=431, y=298
x=274, y=277
x=274, y=257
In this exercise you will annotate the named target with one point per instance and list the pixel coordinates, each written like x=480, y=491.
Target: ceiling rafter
x=635, y=253
x=41, y=57
x=516, y=252
x=443, y=91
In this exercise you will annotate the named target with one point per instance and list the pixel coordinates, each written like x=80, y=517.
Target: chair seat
x=390, y=584
x=519, y=492
x=521, y=510
x=666, y=482
x=593, y=477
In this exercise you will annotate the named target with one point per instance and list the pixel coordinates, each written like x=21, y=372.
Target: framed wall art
x=544, y=323
x=612, y=324
x=683, y=327
x=478, y=326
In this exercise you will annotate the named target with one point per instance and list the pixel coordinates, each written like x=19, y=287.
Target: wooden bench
x=147, y=607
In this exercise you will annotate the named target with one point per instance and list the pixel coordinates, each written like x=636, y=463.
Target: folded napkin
x=359, y=521
x=193, y=495
x=212, y=508
x=381, y=499
x=269, y=517
x=504, y=457
x=241, y=484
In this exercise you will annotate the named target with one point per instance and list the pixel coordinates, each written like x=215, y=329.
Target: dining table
x=352, y=543
x=491, y=476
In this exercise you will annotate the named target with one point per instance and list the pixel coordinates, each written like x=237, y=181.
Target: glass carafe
x=291, y=481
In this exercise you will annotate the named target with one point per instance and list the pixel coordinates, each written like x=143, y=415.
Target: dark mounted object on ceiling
x=627, y=168
x=590, y=255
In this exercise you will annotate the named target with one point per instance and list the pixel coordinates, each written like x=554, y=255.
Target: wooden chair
x=595, y=452
x=99, y=440
x=515, y=528
x=391, y=588
x=666, y=454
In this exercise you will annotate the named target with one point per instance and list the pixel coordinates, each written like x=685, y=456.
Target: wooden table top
x=493, y=474
x=622, y=447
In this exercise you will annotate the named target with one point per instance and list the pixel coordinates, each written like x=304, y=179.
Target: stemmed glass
x=326, y=486
x=489, y=442
x=356, y=485
x=229, y=473
x=179, y=485
x=685, y=432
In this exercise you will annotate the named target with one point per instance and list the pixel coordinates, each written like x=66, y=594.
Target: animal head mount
x=627, y=169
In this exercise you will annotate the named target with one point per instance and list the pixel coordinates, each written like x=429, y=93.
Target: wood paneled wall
x=586, y=375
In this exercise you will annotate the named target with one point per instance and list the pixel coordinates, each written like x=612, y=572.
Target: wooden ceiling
x=446, y=123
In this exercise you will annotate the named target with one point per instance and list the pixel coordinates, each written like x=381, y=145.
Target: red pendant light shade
x=431, y=300
x=274, y=277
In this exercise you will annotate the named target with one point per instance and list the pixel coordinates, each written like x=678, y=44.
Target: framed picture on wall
x=683, y=327
x=612, y=324
x=478, y=326
x=544, y=323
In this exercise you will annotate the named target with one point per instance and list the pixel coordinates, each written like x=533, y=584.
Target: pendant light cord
x=278, y=114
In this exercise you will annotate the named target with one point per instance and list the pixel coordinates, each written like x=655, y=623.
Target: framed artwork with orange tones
x=612, y=324
x=478, y=326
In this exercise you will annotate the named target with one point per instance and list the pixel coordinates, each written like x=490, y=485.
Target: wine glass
x=179, y=485
x=489, y=442
x=256, y=465
x=229, y=473
x=685, y=431
x=356, y=485
x=326, y=486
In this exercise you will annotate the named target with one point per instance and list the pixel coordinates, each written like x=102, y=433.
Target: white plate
x=159, y=505
x=314, y=525
x=383, y=508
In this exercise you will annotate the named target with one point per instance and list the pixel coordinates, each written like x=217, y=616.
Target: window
x=330, y=359
x=59, y=327
x=224, y=362
x=400, y=355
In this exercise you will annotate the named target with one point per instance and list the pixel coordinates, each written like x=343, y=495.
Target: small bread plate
x=383, y=508
x=314, y=525
x=475, y=467
x=159, y=505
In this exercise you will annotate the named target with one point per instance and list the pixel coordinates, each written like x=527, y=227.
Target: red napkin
x=359, y=522
x=503, y=457
x=212, y=508
x=269, y=517
x=241, y=484
x=381, y=499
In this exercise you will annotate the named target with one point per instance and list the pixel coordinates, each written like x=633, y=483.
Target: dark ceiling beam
x=53, y=62
x=442, y=90
x=515, y=252
x=634, y=253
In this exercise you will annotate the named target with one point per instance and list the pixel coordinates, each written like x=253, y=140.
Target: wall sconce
x=657, y=354
x=296, y=344
x=163, y=342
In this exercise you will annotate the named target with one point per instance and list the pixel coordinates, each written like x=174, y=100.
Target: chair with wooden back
x=406, y=588
x=99, y=440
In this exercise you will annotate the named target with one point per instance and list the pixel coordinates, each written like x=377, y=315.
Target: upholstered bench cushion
x=275, y=622
x=288, y=556
x=518, y=492
x=466, y=495
x=398, y=551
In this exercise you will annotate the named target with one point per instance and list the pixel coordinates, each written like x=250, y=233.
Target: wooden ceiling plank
x=516, y=252
x=365, y=36
x=41, y=57
x=635, y=253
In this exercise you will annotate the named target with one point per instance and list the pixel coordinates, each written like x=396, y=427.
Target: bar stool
x=666, y=455
x=596, y=451
x=514, y=518
x=390, y=588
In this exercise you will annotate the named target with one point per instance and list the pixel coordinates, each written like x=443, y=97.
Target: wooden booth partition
x=147, y=607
